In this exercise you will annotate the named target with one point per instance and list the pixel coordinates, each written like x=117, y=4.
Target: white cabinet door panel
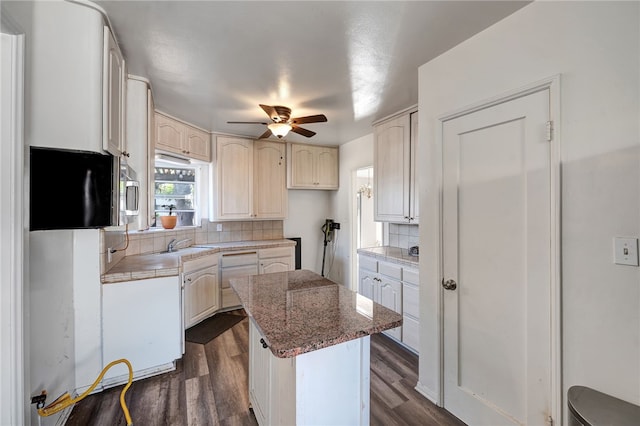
x=141, y=322
x=390, y=294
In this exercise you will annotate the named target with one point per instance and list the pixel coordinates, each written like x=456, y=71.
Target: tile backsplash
x=403, y=236
x=156, y=240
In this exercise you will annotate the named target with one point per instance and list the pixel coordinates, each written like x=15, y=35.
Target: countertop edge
x=293, y=352
x=404, y=259
x=173, y=268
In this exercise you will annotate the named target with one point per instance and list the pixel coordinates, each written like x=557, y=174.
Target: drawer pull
x=239, y=254
x=264, y=344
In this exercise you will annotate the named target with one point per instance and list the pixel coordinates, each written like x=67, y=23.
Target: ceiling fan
x=282, y=123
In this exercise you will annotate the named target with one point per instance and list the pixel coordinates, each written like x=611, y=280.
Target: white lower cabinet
x=141, y=322
x=390, y=296
x=383, y=289
x=329, y=386
x=275, y=260
x=237, y=264
x=201, y=289
x=410, y=308
x=396, y=287
x=266, y=375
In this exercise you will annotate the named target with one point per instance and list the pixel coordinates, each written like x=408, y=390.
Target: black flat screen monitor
x=70, y=189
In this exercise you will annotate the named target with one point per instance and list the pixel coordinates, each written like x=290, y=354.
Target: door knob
x=449, y=285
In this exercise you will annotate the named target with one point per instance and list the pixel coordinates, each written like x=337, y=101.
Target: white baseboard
x=142, y=374
x=427, y=393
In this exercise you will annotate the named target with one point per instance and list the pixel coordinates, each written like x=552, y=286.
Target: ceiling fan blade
x=318, y=118
x=246, y=122
x=301, y=131
x=271, y=112
x=265, y=134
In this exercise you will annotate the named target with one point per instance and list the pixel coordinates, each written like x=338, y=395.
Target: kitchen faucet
x=173, y=244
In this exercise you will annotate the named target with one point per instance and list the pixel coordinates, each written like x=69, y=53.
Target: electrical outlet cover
x=625, y=251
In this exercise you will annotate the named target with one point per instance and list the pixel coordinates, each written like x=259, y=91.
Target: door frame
x=553, y=85
x=14, y=333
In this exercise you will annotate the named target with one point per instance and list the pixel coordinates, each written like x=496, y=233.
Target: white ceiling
x=210, y=62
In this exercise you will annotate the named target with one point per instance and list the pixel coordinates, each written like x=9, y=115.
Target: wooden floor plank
x=210, y=387
x=385, y=391
x=201, y=403
x=195, y=361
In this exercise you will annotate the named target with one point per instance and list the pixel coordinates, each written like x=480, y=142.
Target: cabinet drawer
x=238, y=259
x=368, y=263
x=275, y=252
x=410, y=275
x=201, y=262
x=411, y=333
x=391, y=270
x=410, y=298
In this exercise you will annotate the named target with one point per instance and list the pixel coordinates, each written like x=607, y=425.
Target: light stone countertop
x=145, y=266
x=391, y=254
x=300, y=311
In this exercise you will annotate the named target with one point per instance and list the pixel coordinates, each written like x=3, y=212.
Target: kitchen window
x=177, y=186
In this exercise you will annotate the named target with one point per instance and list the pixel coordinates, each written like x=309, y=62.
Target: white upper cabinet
x=312, y=167
x=234, y=171
x=139, y=136
x=395, y=189
x=270, y=196
x=114, y=97
x=198, y=144
x=176, y=136
x=250, y=179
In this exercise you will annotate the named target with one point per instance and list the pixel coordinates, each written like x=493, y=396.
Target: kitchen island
x=309, y=348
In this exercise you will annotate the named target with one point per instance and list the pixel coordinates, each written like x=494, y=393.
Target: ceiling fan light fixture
x=279, y=129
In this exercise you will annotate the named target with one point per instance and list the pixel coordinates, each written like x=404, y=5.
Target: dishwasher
x=234, y=265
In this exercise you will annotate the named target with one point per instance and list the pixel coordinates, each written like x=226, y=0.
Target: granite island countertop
x=391, y=254
x=300, y=311
x=153, y=265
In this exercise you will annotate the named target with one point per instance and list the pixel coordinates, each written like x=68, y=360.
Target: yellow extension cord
x=65, y=400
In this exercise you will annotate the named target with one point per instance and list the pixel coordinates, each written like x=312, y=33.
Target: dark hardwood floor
x=209, y=387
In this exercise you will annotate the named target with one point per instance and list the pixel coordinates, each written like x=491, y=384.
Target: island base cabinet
x=329, y=386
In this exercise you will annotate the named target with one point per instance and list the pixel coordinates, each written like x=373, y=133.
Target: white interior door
x=497, y=241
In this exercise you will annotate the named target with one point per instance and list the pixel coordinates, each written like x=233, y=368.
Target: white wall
x=369, y=228
x=63, y=109
x=595, y=47
x=52, y=365
x=308, y=210
x=355, y=154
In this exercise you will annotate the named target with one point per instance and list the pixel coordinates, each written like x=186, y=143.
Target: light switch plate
x=219, y=227
x=625, y=251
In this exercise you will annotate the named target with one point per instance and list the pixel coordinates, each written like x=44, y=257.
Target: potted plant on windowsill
x=169, y=222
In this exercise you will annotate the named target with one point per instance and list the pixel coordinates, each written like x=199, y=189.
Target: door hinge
x=549, y=131
x=550, y=420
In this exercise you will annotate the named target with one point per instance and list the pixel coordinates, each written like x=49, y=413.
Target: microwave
x=128, y=194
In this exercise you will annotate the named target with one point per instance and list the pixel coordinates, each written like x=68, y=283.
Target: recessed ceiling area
x=210, y=62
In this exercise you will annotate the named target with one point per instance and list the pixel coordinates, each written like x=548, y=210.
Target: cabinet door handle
x=264, y=344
